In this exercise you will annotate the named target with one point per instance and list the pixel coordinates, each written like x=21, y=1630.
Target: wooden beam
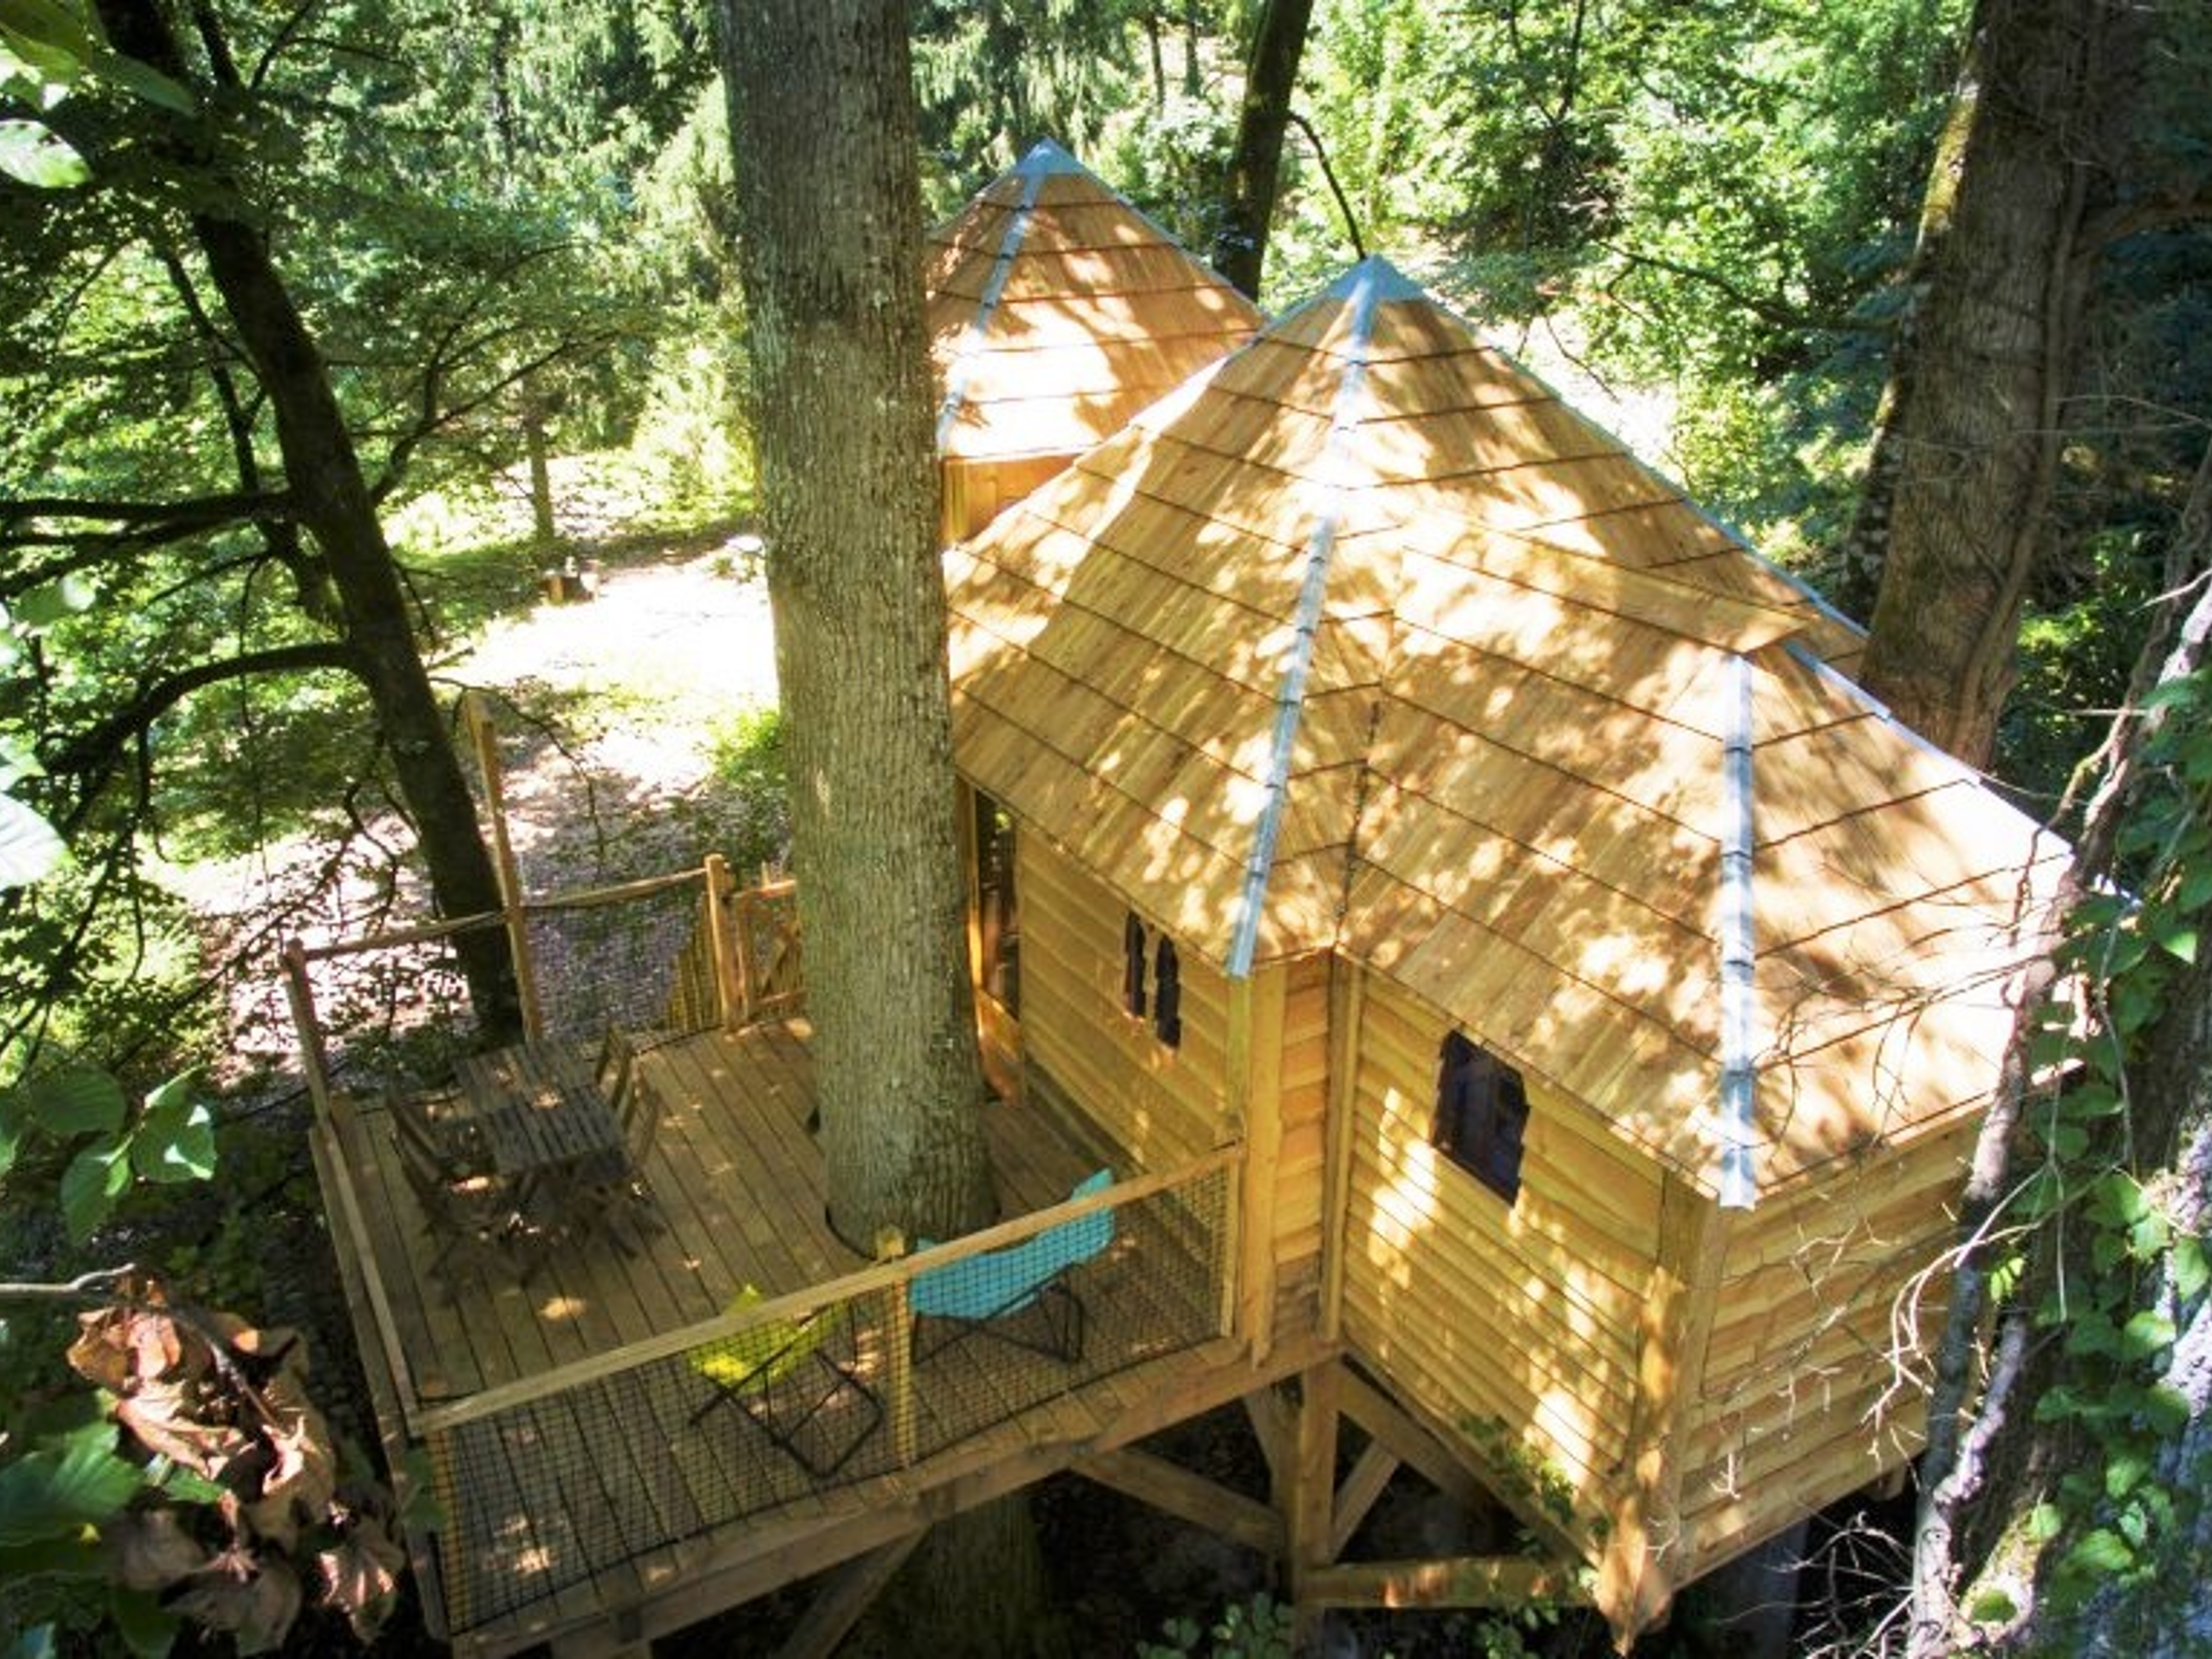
x=1254, y=1062
x=1347, y=1004
x=1466, y=1581
x=1275, y=1428
x=1312, y=1494
x=838, y=1605
x=1392, y=1427
x=1369, y=1476
x=1187, y=1496
x=1648, y=1554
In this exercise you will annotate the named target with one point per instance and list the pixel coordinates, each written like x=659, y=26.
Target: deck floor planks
x=590, y=1500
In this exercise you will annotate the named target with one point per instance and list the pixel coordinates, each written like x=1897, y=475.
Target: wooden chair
x=1019, y=1294
x=638, y=1106
x=472, y=1214
x=768, y=1373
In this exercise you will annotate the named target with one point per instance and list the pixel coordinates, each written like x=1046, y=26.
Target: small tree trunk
x=1954, y=512
x=1240, y=247
x=544, y=532
x=324, y=473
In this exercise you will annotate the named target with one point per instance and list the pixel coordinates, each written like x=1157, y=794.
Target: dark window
x=998, y=912
x=1132, y=965
x=1167, y=993
x=1482, y=1111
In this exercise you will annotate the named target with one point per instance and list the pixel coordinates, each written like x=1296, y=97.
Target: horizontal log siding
x=1158, y=1107
x=1527, y=1315
x=1801, y=1401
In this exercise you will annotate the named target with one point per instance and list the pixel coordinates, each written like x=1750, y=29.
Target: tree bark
x=1988, y=1467
x=1240, y=247
x=821, y=120
x=1954, y=511
x=330, y=496
x=829, y=222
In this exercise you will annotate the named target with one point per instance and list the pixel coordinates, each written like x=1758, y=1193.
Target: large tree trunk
x=1990, y=1468
x=1954, y=513
x=829, y=218
x=1240, y=247
x=821, y=116
x=331, y=495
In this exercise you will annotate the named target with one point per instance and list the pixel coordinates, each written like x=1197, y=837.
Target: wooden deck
x=612, y=1505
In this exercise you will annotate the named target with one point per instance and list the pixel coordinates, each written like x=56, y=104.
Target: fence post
x=484, y=739
x=301, y=996
x=898, y=1357
x=729, y=977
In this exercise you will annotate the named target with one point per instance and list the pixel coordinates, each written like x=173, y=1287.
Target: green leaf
x=2165, y=1408
x=2192, y=1271
x=2148, y=1334
x=96, y=1178
x=81, y=1100
x=29, y=849
x=144, y=81
x=57, y=1491
x=31, y=154
x=2045, y=1522
x=54, y=601
x=2127, y=1469
x=2102, y=1551
x=174, y=1142
x=147, y=1628
x=1992, y=1607
x=2179, y=943
x=2196, y=890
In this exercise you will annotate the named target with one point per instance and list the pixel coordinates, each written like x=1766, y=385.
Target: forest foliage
x=510, y=226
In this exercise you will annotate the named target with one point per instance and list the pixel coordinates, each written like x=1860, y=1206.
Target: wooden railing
x=891, y=1275
x=628, y=1428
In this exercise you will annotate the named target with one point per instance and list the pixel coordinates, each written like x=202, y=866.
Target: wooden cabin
x=1057, y=311
x=1397, y=776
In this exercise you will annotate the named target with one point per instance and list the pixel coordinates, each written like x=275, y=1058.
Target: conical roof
x=1057, y=311
x=1365, y=641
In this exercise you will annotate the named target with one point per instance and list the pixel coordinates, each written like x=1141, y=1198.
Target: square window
x=1482, y=1113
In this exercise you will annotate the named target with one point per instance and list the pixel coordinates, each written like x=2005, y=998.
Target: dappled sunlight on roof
x=1369, y=611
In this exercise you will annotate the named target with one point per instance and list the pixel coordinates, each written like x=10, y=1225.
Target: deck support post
x=1308, y=1505
x=846, y=1593
x=1649, y=1550
x=898, y=1357
x=722, y=940
x=301, y=997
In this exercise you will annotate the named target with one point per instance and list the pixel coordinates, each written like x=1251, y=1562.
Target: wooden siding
x=1801, y=1402
x=1527, y=1315
x=1158, y=1107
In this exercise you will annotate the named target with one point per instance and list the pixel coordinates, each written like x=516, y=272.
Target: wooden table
x=548, y=1132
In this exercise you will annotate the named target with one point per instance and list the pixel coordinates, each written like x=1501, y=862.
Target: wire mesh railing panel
x=395, y=1019
x=584, y=1483
x=621, y=963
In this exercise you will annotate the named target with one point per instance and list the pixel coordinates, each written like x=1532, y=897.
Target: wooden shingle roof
x=1057, y=311
x=1365, y=641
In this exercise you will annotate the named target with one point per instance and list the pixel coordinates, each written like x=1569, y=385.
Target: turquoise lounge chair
x=991, y=1293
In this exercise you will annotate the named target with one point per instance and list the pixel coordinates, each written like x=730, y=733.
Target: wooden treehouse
x=1375, y=767
x=1460, y=956
x=1057, y=311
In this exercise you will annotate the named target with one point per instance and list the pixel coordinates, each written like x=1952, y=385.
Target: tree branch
x=1767, y=309
x=91, y=751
